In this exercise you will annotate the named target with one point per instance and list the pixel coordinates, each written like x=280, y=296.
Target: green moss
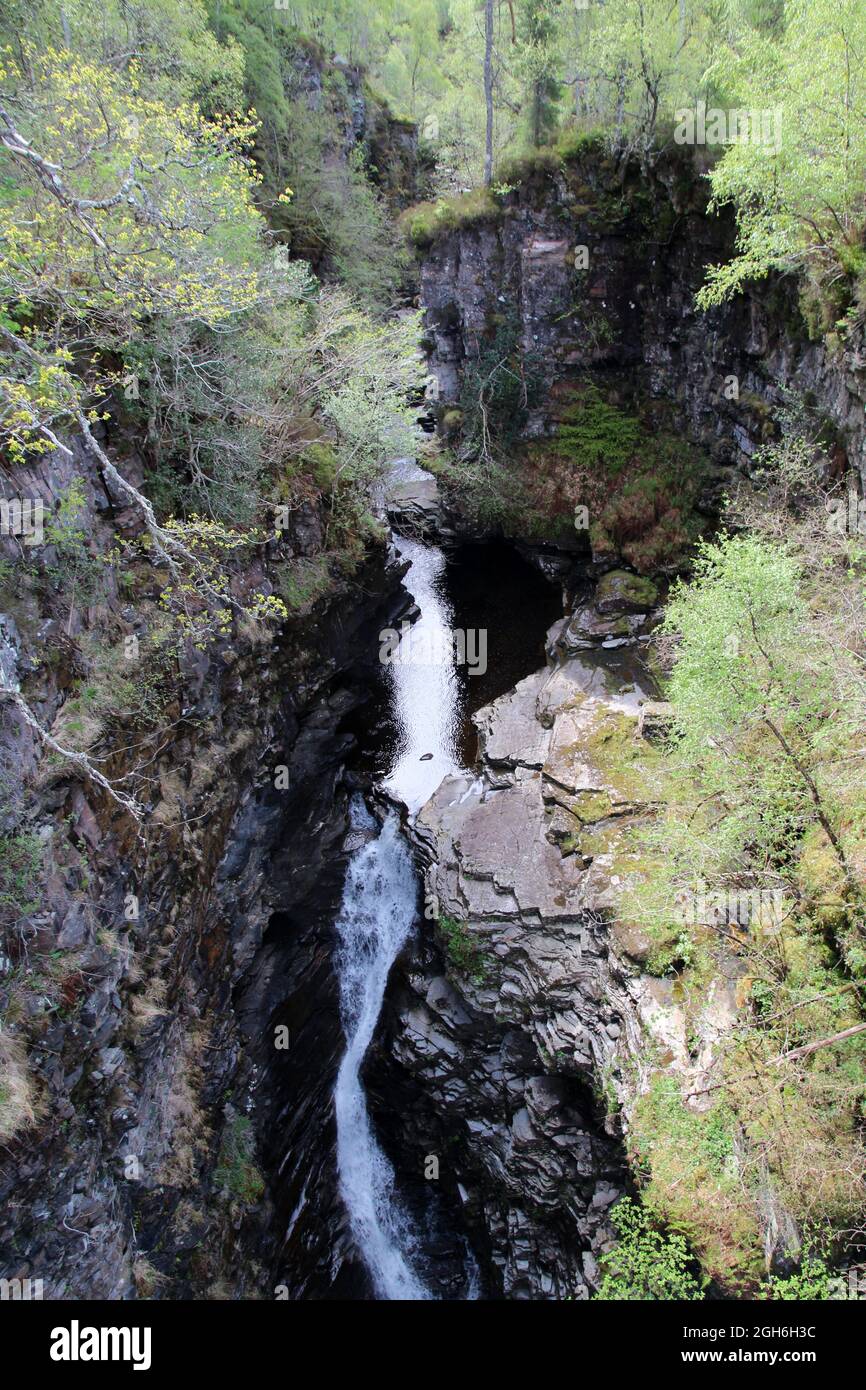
x=321, y=462
x=424, y=222
x=575, y=145
x=634, y=768
x=542, y=162
x=632, y=589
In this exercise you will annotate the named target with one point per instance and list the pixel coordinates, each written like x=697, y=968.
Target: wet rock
x=618, y=591
x=415, y=508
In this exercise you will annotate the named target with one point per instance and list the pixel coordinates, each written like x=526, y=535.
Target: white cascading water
x=377, y=915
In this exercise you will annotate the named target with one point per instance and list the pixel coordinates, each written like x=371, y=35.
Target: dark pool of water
x=491, y=588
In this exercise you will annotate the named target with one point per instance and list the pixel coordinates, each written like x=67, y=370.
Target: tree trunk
x=488, y=90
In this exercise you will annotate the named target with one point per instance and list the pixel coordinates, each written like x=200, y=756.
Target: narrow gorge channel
x=479, y=615
x=380, y=910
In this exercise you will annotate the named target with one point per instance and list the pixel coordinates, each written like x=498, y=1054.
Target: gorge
x=431, y=665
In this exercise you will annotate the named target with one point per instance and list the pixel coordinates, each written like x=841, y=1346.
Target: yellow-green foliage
x=736, y=814
x=150, y=212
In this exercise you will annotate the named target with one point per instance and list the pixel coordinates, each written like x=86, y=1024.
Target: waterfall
x=424, y=682
x=376, y=917
x=378, y=911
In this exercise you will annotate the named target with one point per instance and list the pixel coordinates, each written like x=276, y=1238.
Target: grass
x=119, y=691
x=424, y=222
x=18, y=1106
x=237, y=1172
x=462, y=950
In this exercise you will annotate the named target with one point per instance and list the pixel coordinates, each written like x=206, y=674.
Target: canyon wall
x=597, y=267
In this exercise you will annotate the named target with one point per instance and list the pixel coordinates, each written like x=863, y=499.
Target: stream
x=423, y=733
x=417, y=730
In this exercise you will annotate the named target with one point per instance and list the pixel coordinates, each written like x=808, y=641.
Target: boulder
x=619, y=591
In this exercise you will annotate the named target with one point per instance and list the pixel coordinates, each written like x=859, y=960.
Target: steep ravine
x=495, y=1070
x=151, y=1042
x=392, y=1233
x=493, y=1127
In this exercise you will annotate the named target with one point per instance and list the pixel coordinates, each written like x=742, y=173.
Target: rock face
x=599, y=269
x=538, y=1032
x=612, y=616
x=414, y=508
x=175, y=1150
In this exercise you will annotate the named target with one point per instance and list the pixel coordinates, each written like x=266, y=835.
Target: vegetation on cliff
x=199, y=264
x=758, y=875
x=200, y=418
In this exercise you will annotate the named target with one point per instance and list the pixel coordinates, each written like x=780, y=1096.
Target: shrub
x=813, y=1280
x=687, y=1159
x=303, y=582
x=638, y=485
x=17, y=1098
x=647, y=1264
x=20, y=867
x=424, y=222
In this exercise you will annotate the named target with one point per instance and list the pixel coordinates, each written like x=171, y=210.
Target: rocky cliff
x=149, y=967
x=591, y=270
x=525, y=1049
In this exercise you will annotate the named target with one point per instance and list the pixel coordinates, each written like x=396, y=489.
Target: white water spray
x=378, y=912
x=377, y=915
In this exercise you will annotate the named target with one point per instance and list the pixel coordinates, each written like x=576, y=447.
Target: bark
x=79, y=760
x=488, y=91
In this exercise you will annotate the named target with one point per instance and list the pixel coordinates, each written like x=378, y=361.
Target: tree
x=799, y=197
x=539, y=66
x=762, y=706
x=488, y=91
